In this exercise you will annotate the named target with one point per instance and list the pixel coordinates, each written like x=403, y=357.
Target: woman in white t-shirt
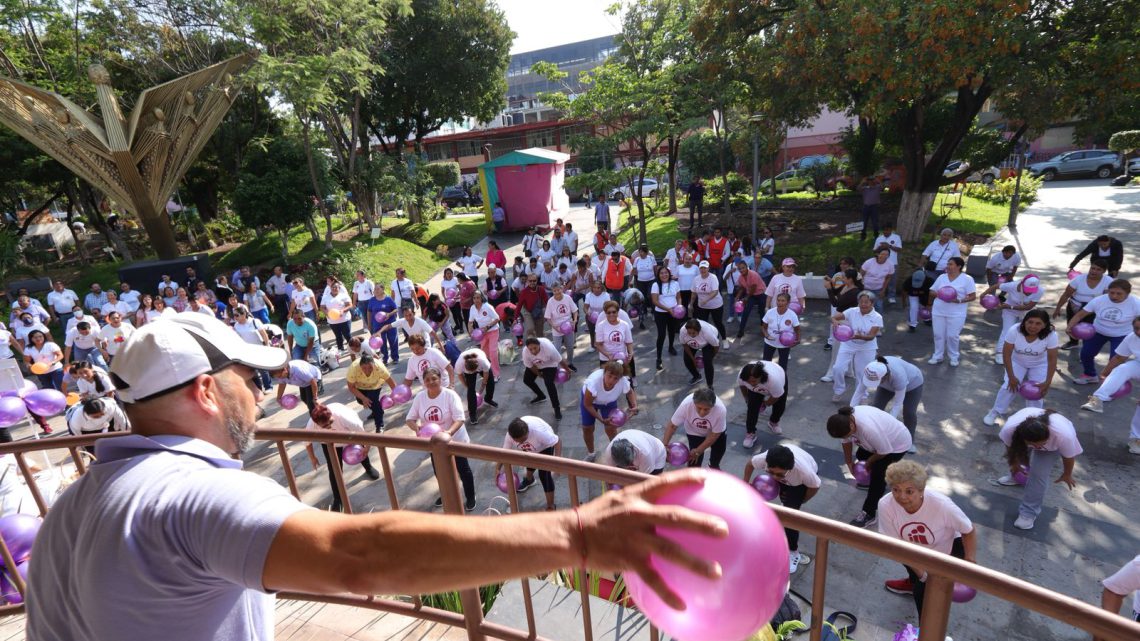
x=881, y=439
x=600, y=394
x=1124, y=366
x=776, y=321
x=337, y=306
x=950, y=316
x=484, y=317
x=707, y=303
x=665, y=295
x=1081, y=289
x=1036, y=438
x=91, y=381
x=252, y=330
x=442, y=406
x=1125, y=581
x=876, y=273
x=798, y=475
x=763, y=384
x=704, y=418
x=39, y=352
x=341, y=418
x=534, y=435
x=1030, y=350
x=861, y=349
x=449, y=290
x=470, y=262
x=635, y=450
x=161, y=310
x=644, y=274
x=700, y=340
x=915, y=514
x=766, y=245
x=787, y=281
x=685, y=274
x=560, y=308
x=593, y=304
x=1114, y=312
x=1018, y=298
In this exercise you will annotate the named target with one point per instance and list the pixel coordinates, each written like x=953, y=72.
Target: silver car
x=1101, y=163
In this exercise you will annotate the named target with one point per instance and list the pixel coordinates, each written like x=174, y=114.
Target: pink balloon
x=12, y=410
x=353, y=454
x=989, y=301
x=1084, y=331
x=699, y=362
x=617, y=417
x=1031, y=391
x=478, y=400
x=428, y=430
x=562, y=375
x=678, y=311
x=862, y=474
x=948, y=294
x=678, y=453
x=386, y=402
x=633, y=313
x=289, y=401
x=796, y=307
x=963, y=593
x=8, y=592
x=19, y=532
x=618, y=356
x=27, y=388
x=376, y=342
x=1021, y=475
x=565, y=327
x=501, y=481
x=46, y=402
x=613, y=487
x=788, y=338
x=401, y=393
x=592, y=317
x=493, y=294
x=739, y=307
x=1073, y=274
x=477, y=334
x=754, y=559
x=768, y=487
x=925, y=314
x=1124, y=390
x=517, y=329
x=379, y=316
x=842, y=333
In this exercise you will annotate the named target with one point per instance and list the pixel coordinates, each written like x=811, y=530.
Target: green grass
x=453, y=232
x=266, y=248
x=381, y=259
x=975, y=217
x=660, y=233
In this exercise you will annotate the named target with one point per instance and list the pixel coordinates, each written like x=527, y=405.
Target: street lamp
x=754, y=120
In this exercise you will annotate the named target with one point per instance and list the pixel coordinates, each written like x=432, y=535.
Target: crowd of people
x=534, y=307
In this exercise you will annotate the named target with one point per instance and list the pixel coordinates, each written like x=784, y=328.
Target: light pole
x=1015, y=202
x=754, y=120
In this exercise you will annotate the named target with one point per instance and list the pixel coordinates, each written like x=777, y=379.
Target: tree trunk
x=284, y=233
x=671, y=169
x=75, y=235
x=205, y=198
x=914, y=212
x=87, y=198
x=311, y=226
x=316, y=184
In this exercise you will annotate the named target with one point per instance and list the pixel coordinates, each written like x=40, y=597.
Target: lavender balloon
x=925, y=314
x=562, y=375
x=386, y=402
x=861, y=473
x=989, y=301
x=796, y=307
x=592, y=317
x=12, y=411
x=1021, y=475
x=428, y=430
x=1031, y=391
x=478, y=399
x=788, y=338
x=401, y=393
x=843, y=333
x=517, y=329
x=354, y=454
x=699, y=361
x=565, y=327
x=19, y=532
x=477, y=334
x=678, y=453
x=376, y=342
x=46, y=402
x=379, y=317
x=678, y=311
x=8, y=592
x=767, y=486
x=1084, y=331
x=493, y=294
x=963, y=593
x=947, y=294
x=618, y=355
x=617, y=417
x=289, y=401
x=501, y=481
x=1124, y=390
x=27, y=388
x=739, y=307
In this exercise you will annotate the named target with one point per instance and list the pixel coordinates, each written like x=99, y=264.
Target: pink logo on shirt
x=702, y=424
x=615, y=337
x=917, y=533
x=433, y=414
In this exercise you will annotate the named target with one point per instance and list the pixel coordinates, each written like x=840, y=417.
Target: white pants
x=1127, y=371
x=912, y=311
x=846, y=357
x=1036, y=374
x=1009, y=318
x=946, y=331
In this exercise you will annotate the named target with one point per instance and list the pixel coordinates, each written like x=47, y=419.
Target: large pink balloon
x=925, y=314
x=796, y=307
x=767, y=486
x=989, y=301
x=1031, y=391
x=401, y=393
x=619, y=355
x=501, y=481
x=379, y=316
x=678, y=453
x=678, y=311
x=592, y=317
x=948, y=294
x=12, y=410
x=562, y=375
x=787, y=338
x=633, y=313
x=493, y=294
x=8, y=592
x=376, y=342
x=428, y=430
x=477, y=334
x=478, y=399
x=963, y=593
x=753, y=557
x=19, y=532
x=386, y=402
x=1021, y=475
x=842, y=333
x=1073, y=274
x=1124, y=390
x=46, y=402
x=738, y=307
x=618, y=417
x=565, y=327
x=1084, y=331
x=517, y=329
x=862, y=474
x=289, y=401
x=353, y=454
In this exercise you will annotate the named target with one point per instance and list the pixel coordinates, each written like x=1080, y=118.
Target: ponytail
x=99, y=385
x=839, y=424
x=755, y=370
x=1032, y=430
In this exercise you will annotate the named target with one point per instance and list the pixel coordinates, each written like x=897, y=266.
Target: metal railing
x=943, y=570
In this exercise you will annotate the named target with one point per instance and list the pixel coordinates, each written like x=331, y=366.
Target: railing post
x=286, y=465
x=819, y=588
x=447, y=477
x=33, y=487
x=935, y=608
x=338, y=473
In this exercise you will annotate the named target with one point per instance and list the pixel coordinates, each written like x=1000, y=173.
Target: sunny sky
x=547, y=23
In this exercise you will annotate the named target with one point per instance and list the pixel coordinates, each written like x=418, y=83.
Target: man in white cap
x=1020, y=297
x=892, y=378
x=167, y=510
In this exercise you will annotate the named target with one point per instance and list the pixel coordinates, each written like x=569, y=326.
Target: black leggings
x=781, y=403
x=716, y=451
x=878, y=485
x=458, y=318
x=666, y=325
x=529, y=378
x=792, y=496
x=707, y=355
x=373, y=396
x=544, y=476
x=366, y=464
x=465, y=475
x=342, y=332
x=714, y=316
x=470, y=380
x=957, y=550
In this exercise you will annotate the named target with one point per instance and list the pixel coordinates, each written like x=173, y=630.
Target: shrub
x=739, y=188
x=1001, y=191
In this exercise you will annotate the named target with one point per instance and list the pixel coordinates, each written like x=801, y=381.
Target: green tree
x=700, y=154
x=1125, y=142
x=274, y=189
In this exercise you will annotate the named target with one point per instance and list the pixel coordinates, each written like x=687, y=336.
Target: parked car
x=455, y=196
x=986, y=175
x=648, y=190
x=791, y=180
x=1134, y=167
x=1099, y=162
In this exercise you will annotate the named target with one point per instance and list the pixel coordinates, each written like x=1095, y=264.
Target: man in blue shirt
x=303, y=337
x=602, y=214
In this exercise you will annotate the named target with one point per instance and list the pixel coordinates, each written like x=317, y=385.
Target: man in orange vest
x=716, y=252
x=616, y=271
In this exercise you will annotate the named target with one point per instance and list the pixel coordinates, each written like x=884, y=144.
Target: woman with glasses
x=252, y=330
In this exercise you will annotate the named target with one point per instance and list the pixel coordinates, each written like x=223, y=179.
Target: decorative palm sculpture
x=136, y=161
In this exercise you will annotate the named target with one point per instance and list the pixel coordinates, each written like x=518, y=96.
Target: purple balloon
x=989, y=301
x=562, y=375
x=379, y=316
x=1124, y=390
x=386, y=402
x=493, y=294
x=1084, y=331
x=739, y=602
x=517, y=329
x=1031, y=391
x=565, y=327
x=12, y=410
x=477, y=334
x=633, y=313
x=501, y=481
x=46, y=402
x=862, y=474
x=27, y=388
x=289, y=401
x=592, y=317
x=1021, y=475
x=843, y=333
x=948, y=294
x=1073, y=274
x=678, y=453
x=401, y=393
x=478, y=399
x=613, y=487
x=796, y=307
x=354, y=454
x=617, y=417
x=739, y=307
x=788, y=338
x=678, y=311
x=699, y=361
x=619, y=355
x=8, y=592
x=768, y=487
x=925, y=314
x=19, y=532
x=376, y=342
x=428, y=430
x=963, y=593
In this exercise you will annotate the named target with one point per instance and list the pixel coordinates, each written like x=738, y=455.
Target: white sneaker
x=892, y=301
x=749, y=440
x=953, y=362
x=934, y=361
x=1024, y=523
x=793, y=562
x=1134, y=446
x=912, y=450
x=837, y=398
x=730, y=320
x=999, y=359
x=991, y=417
x=1006, y=481
x=725, y=345
x=826, y=378
x=1094, y=404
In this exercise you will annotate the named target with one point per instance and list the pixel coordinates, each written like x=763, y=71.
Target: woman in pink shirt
x=495, y=256
x=876, y=273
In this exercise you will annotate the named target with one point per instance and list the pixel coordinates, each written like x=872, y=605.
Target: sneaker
x=892, y=301
x=739, y=337
x=557, y=414
x=991, y=417
x=372, y=474
x=694, y=380
x=469, y=506
x=491, y=403
x=934, y=361
x=837, y=398
x=999, y=359
x=1072, y=344
x=730, y=320
x=660, y=367
x=725, y=345
x=537, y=399
x=1094, y=404
x=1134, y=446
x=912, y=450
x=473, y=421
x=774, y=428
x=899, y=586
x=826, y=378
x=793, y=562
x=591, y=457
x=1006, y=480
x=827, y=347
x=953, y=362
x=863, y=520
x=1085, y=379
x=749, y=440
x=439, y=502
x=1024, y=522
x=912, y=329
x=526, y=484
x=46, y=429
x=672, y=351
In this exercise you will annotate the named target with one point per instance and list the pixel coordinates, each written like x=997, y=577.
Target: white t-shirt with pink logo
x=706, y=336
x=445, y=409
x=805, y=470
x=547, y=356
x=706, y=291
x=879, y=432
x=773, y=387
x=1062, y=434
x=432, y=357
x=559, y=311
x=776, y=323
x=614, y=337
x=875, y=274
x=694, y=424
x=1126, y=579
x=935, y=525
x=791, y=285
x=596, y=385
x=540, y=436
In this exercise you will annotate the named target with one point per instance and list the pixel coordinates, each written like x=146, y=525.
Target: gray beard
x=240, y=436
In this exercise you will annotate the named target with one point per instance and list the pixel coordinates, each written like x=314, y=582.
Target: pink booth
x=528, y=182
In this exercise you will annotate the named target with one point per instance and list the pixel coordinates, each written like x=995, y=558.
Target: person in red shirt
x=750, y=289
x=532, y=304
x=716, y=252
x=615, y=274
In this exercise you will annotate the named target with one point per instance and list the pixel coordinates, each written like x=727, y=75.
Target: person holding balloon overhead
x=951, y=294
x=763, y=384
x=441, y=406
x=471, y=365
x=1030, y=363
x=1020, y=297
x=1034, y=439
x=599, y=399
x=532, y=434
x=635, y=450
x=337, y=416
x=881, y=440
x=916, y=514
x=366, y=379
x=1114, y=311
x=797, y=474
x=857, y=330
x=1122, y=369
x=704, y=418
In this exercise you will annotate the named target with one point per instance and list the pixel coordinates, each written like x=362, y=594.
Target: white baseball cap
x=1030, y=284
x=873, y=375
x=703, y=263
x=170, y=352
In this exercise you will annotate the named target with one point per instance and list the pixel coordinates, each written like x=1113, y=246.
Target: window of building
x=470, y=148
x=441, y=151
x=540, y=138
